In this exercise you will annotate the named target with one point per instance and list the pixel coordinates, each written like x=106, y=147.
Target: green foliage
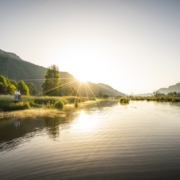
x=32, y=88
x=10, y=106
x=105, y=96
x=71, y=91
x=59, y=104
x=3, y=88
x=14, y=82
x=45, y=100
x=10, y=89
x=174, y=94
x=171, y=97
x=51, y=85
x=13, y=67
x=124, y=100
x=23, y=88
x=3, y=80
x=7, y=104
x=34, y=105
x=50, y=105
x=8, y=82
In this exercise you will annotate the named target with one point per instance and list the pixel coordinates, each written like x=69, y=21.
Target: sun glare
x=82, y=77
x=82, y=80
x=84, y=123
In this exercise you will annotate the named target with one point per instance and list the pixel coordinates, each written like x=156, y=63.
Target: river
x=110, y=141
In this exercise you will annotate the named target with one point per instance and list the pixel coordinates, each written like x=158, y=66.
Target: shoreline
x=52, y=112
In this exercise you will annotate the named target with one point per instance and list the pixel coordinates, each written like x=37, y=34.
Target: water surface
x=137, y=141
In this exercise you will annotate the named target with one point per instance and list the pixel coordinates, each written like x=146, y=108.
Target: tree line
x=8, y=86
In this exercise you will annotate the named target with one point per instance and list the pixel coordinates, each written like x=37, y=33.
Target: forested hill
x=13, y=67
x=173, y=88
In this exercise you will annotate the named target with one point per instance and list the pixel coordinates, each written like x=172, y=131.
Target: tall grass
x=7, y=104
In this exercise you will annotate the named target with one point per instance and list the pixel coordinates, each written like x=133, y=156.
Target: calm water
x=137, y=141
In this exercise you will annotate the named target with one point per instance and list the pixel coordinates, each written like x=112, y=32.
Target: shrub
x=59, y=104
x=124, y=100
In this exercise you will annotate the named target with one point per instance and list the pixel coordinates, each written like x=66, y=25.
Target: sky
x=131, y=45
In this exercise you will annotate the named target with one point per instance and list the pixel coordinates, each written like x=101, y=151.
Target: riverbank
x=46, y=106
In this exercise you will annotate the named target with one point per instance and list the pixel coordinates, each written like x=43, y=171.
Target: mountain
x=173, y=88
x=13, y=67
x=93, y=89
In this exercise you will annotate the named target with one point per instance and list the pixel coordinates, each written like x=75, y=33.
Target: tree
x=12, y=81
x=3, y=80
x=23, y=88
x=51, y=85
x=105, y=96
x=3, y=88
x=10, y=89
x=32, y=88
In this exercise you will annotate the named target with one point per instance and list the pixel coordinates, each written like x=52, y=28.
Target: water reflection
x=119, y=142
x=85, y=123
x=16, y=122
x=52, y=126
x=16, y=131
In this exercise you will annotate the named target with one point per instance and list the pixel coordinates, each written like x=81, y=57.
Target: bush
x=124, y=100
x=59, y=104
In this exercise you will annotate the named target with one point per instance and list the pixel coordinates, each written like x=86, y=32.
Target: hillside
x=173, y=88
x=93, y=89
x=13, y=67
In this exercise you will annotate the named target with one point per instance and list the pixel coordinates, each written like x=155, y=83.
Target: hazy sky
x=132, y=45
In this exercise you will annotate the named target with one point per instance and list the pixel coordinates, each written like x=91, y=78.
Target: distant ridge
x=13, y=67
x=173, y=88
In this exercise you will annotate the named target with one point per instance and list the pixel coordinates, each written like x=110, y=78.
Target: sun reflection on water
x=85, y=123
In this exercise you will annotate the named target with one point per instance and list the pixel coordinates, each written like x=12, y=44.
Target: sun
x=82, y=78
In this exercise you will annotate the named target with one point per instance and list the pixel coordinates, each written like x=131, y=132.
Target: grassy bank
x=28, y=102
x=50, y=106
